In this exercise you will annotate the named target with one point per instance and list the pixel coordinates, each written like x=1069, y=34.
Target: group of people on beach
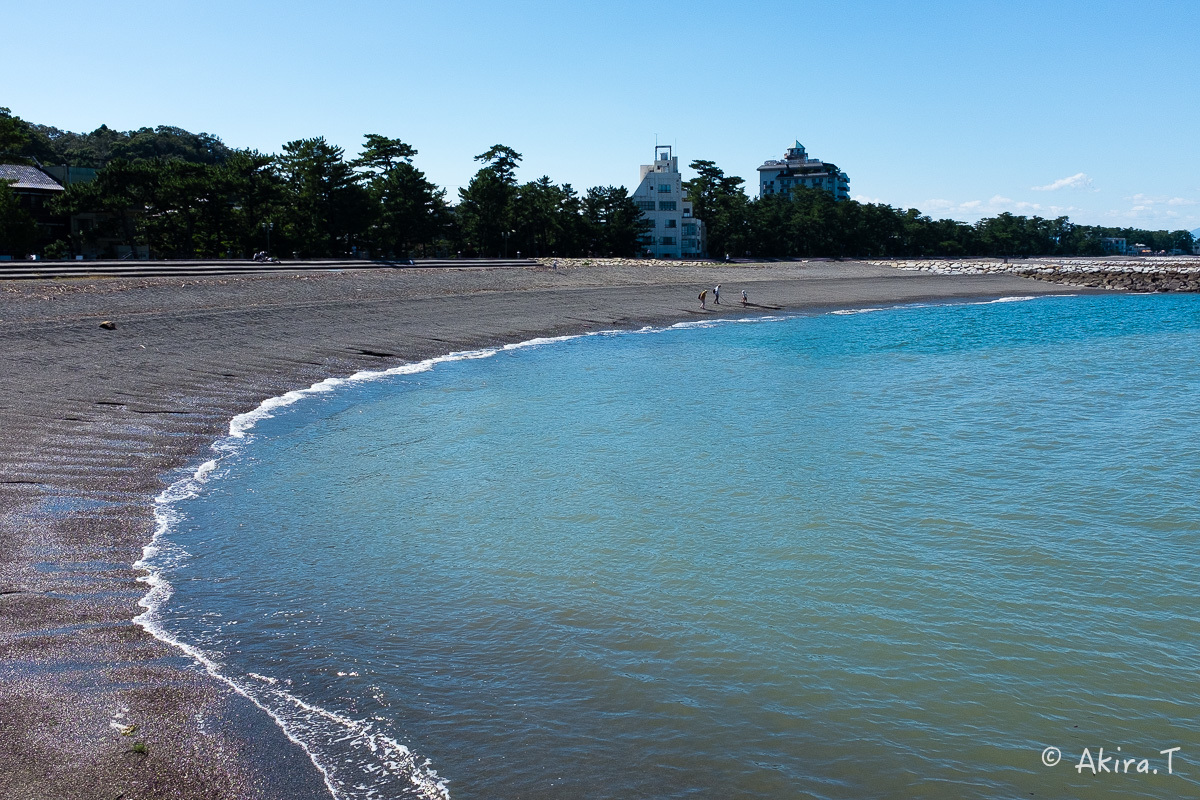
x=716, y=291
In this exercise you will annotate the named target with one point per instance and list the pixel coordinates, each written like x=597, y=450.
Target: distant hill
x=23, y=142
x=104, y=144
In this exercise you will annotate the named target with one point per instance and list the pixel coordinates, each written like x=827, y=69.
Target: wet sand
x=97, y=422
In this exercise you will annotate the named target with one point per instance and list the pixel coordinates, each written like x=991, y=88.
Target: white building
x=675, y=233
x=796, y=169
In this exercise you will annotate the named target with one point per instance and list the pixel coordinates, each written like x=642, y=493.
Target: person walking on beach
x=717, y=294
x=704, y=298
x=745, y=298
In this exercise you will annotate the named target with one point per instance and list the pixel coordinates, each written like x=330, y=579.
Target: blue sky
x=962, y=109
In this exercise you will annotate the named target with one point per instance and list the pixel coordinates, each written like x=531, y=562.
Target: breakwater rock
x=1145, y=274
x=1163, y=281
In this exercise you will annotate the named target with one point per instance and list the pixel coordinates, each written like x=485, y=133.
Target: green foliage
x=721, y=203
x=254, y=190
x=409, y=211
x=382, y=154
x=614, y=221
x=325, y=206
x=14, y=137
x=548, y=219
x=503, y=161
x=98, y=148
x=484, y=212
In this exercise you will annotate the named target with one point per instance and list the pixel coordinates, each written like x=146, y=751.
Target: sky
x=962, y=109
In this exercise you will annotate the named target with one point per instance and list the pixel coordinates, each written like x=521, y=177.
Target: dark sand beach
x=95, y=422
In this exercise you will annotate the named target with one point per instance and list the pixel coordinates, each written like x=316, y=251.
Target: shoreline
x=99, y=419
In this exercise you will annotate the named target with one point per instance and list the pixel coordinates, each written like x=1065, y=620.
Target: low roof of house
x=20, y=176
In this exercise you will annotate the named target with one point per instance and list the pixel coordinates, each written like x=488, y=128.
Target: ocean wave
x=849, y=311
x=1014, y=299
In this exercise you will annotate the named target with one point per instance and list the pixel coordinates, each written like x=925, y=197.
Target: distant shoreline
x=99, y=421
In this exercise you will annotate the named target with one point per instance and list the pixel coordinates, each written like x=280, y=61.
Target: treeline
x=811, y=224
x=189, y=195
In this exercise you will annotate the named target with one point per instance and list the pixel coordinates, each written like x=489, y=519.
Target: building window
x=667, y=240
x=653, y=222
x=670, y=224
x=666, y=205
x=689, y=229
x=645, y=205
x=664, y=187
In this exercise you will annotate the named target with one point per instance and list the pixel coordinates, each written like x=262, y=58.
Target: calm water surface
x=887, y=554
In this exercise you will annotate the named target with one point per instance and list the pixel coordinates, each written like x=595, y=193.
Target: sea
x=922, y=551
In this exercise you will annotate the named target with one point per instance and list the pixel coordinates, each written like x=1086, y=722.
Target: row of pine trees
x=186, y=195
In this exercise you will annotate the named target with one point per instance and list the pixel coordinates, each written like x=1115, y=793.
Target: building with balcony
x=797, y=170
x=674, y=231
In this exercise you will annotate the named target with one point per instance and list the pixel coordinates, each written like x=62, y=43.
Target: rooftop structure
x=675, y=233
x=23, y=178
x=796, y=170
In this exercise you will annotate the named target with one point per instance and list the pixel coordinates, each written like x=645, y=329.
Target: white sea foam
x=1003, y=300
x=712, y=323
x=1010, y=299
x=849, y=311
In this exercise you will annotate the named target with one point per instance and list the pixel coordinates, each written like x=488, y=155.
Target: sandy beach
x=98, y=421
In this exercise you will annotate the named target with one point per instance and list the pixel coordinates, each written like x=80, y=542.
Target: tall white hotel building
x=659, y=196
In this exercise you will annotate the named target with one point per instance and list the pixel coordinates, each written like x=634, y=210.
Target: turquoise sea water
x=895, y=553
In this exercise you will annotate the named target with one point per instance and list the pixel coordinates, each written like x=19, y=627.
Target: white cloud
x=974, y=209
x=1079, y=180
x=1147, y=201
x=862, y=198
x=1150, y=210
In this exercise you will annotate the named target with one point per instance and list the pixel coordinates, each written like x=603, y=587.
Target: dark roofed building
x=23, y=179
x=34, y=189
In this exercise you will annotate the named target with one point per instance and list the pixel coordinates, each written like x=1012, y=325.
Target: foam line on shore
x=308, y=725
